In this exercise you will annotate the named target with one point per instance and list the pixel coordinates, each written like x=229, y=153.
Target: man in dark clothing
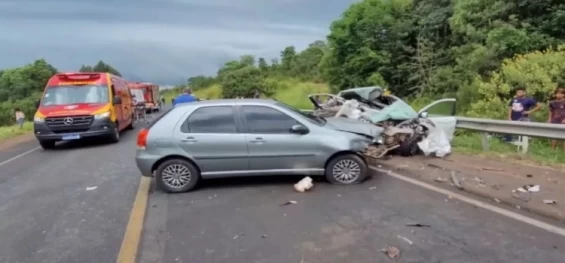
x=557, y=112
x=520, y=108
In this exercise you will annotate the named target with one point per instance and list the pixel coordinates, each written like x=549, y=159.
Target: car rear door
x=272, y=147
x=442, y=114
x=211, y=136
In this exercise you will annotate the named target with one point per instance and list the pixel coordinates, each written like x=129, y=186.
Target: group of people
x=521, y=107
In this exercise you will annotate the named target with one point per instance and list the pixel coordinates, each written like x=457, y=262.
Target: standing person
x=520, y=108
x=185, y=97
x=20, y=117
x=163, y=101
x=557, y=112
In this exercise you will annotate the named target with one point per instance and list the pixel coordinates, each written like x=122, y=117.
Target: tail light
x=142, y=138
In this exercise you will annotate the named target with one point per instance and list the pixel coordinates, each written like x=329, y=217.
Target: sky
x=160, y=41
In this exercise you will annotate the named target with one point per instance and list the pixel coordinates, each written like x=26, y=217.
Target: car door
x=442, y=114
x=117, y=108
x=211, y=136
x=272, y=147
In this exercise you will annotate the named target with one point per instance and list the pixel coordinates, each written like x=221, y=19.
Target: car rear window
x=154, y=121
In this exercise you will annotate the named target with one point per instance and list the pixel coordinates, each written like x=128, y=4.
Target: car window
x=215, y=119
x=261, y=119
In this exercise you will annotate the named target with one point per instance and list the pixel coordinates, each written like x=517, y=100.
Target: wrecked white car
x=405, y=131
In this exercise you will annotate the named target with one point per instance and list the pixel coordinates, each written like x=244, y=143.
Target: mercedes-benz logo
x=68, y=121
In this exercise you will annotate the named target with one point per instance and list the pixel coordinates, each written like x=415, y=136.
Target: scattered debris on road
x=373, y=188
x=529, y=175
x=440, y=180
x=406, y=239
x=496, y=200
x=289, y=202
x=492, y=169
x=391, y=252
x=418, y=225
x=550, y=202
x=304, y=185
x=456, y=180
x=90, y=188
x=522, y=197
x=264, y=236
x=236, y=236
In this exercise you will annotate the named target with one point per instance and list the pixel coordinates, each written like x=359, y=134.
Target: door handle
x=258, y=140
x=189, y=139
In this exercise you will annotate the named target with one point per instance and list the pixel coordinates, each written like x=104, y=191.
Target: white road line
x=492, y=208
x=20, y=155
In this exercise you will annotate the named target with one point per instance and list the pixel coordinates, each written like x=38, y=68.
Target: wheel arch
x=171, y=157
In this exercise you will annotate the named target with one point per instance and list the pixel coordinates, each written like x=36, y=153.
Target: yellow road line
x=130, y=243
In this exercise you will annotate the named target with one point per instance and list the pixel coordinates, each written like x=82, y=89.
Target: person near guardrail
x=185, y=97
x=557, y=112
x=520, y=108
x=20, y=117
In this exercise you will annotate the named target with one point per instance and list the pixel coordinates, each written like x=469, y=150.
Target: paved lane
x=236, y=221
x=47, y=214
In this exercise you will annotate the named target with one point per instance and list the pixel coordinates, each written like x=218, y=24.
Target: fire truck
x=146, y=92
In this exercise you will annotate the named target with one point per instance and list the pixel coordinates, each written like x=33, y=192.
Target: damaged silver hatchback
x=405, y=131
x=251, y=137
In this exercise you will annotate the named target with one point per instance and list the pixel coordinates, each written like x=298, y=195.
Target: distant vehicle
x=148, y=93
x=81, y=105
x=242, y=137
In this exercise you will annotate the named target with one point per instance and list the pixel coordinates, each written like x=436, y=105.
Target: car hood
x=353, y=126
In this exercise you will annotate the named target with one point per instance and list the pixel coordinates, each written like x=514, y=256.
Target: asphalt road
x=48, y=215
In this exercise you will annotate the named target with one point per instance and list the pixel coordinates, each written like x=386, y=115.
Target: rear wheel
x=410, y=147
x=47, y=145
x=177, y=176
x=346, y=169
x=131, y=125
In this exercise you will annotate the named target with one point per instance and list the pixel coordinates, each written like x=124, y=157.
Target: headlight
x=102, y=115
x=38, y=119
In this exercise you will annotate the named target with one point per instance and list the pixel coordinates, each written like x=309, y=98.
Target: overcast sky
x=162, y=41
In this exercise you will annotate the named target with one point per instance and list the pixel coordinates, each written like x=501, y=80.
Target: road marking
x=132, y=236
x=20, y=155
x=492, y=208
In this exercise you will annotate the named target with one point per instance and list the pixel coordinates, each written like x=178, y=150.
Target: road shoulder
x=490, y=179
x=6, y=144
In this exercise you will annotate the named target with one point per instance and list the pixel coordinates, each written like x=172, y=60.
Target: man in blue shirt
x=520, y=108
x=184, y=98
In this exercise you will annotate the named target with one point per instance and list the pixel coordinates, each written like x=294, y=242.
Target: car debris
x=549, y=202
x=391, y=252
x=289, y=202
x=456, y=180
x=406, y=239
x=304, y=185
x=90, y=188
x=418, y=225
x=405, y=131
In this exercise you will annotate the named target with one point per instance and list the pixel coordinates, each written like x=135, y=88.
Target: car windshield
x=311, y=118
x=64, y=95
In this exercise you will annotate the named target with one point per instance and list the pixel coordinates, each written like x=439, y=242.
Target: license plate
x=71, y=137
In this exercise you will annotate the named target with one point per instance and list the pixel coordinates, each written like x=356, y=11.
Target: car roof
x=220, y=102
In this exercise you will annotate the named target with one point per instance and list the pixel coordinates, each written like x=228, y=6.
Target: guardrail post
x=484, y=141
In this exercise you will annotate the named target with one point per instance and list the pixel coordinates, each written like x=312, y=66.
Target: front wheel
x=115, y=137
x=409, y=147
x=346, y=169
x=177, y=176
x=47, y=145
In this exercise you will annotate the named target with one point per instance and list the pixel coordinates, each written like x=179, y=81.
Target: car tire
x=355, y=167
x=47, y=145
x=166, y=178
x=115, y=137
x=410, y=147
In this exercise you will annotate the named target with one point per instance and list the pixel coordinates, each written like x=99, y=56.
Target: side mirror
x=299, y=129
x=423, y=114
x=117, y=100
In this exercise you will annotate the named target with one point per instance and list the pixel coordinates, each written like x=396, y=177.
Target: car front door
x=442, y=114
x=211, y=136
x=272, y=146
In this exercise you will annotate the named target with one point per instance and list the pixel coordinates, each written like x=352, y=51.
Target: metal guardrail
x=521, y=128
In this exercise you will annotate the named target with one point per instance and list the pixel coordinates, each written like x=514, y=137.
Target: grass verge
x=7, y=132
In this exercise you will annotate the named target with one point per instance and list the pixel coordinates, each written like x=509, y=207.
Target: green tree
x=243, y=82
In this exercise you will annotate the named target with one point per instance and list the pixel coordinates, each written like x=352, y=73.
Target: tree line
x=475, y=50
x=21, y=87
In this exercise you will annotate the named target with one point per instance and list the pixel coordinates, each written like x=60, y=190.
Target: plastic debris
x=529, y=188
x=304, y=185
x=236, y=236
x=550, y=202
x=440, y=180
x=91, y=188
x=372, y=188
x=496, y=200
x=289, y=202
x=391, y=252
x=406, y=239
